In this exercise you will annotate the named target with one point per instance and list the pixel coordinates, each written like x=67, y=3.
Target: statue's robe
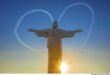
x=54, y=46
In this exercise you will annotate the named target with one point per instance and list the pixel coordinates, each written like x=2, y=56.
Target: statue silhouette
x=54, y=45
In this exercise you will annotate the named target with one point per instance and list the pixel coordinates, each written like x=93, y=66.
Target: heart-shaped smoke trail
x=92, y=21
x=51, y=18
x=19, y=22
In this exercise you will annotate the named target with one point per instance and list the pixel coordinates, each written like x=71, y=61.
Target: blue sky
x=76, y=17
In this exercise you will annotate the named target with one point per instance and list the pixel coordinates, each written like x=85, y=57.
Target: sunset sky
x=16, y=58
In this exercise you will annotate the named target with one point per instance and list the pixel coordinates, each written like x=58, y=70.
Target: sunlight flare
x=63, y=67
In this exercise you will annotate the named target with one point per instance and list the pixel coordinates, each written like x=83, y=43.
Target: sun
x=63, y=67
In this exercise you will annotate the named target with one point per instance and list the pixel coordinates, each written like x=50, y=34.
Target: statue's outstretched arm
x=75, y=31
x=78, y=30
x=66, y=34
x=42, y=33
x=31, y=30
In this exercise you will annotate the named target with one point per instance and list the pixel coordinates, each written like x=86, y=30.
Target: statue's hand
x=79, y=30
x=31, y=30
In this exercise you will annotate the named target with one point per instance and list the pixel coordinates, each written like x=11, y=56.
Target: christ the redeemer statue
x=54, y=45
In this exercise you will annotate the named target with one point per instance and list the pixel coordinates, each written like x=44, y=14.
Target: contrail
x=51, y=18
x=92, y=21
x=20, y=20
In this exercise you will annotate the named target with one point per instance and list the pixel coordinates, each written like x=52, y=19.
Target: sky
x=16, y=58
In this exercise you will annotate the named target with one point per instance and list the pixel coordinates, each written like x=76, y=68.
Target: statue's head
x=55, y=24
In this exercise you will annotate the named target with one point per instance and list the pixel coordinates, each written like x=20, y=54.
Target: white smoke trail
x=92, y=21
x=19, y=22
x=51, y=18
